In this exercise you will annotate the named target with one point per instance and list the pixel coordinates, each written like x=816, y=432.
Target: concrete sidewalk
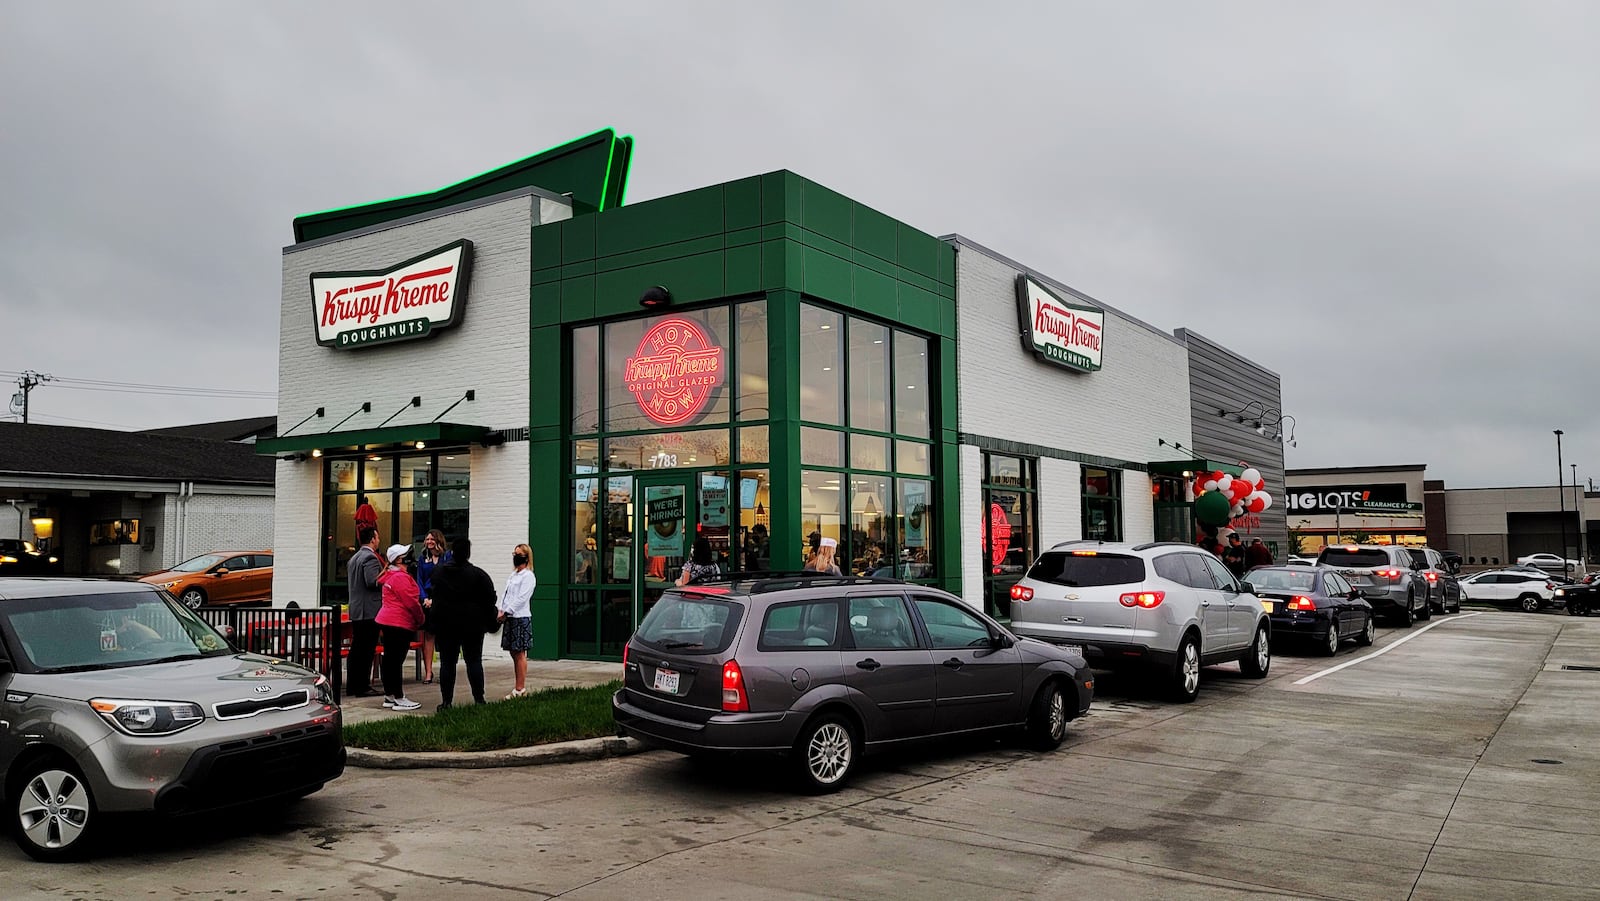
x=498, y=681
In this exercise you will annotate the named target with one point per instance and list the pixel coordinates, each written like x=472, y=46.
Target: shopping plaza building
x=522, y=358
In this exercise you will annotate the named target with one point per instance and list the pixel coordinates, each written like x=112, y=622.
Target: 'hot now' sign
x=1068, y=334
x=407, y=300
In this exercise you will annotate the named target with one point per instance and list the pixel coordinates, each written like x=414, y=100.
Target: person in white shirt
x=517, y=617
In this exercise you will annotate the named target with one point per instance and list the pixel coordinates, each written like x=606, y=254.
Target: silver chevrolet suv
x=1386, y=575
x=1167, y=606
x=114, y=697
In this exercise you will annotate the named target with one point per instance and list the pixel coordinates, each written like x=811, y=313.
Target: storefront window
x=869, y=452
x=753, y=444
x=914, y=518
x=378, y=475
x=616, y=548
x=586, y=531
x=668, y=450
x=753, y=344
x=411, y=494
x=911, y=385
x=872, y=538
x=869, y=375
x=819, y=507
x=755, y=521
x=1009, y=524
x=455, y=468
x=416, y=472
x=821, y=447
x=586, y=380
x=342, y=475
x=822, y=364
x=911, y=457
x=1102, y=504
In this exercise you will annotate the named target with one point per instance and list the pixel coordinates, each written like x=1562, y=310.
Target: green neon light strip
x=464, y=181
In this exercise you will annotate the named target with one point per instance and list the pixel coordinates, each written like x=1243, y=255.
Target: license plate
x=1268, y=606
x=666, y=681
x=1073, y=649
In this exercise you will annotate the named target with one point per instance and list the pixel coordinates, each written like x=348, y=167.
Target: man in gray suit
x=366, y=596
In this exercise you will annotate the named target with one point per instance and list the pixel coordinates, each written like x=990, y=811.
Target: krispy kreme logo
x=1064, y=333
x=407, y=300
x=673, y=371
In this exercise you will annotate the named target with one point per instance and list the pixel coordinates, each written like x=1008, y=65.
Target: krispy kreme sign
x=412, y=299
x=1067, y=334
x=674, y=370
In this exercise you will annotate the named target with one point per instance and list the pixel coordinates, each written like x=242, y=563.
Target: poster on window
x=664, y=515
x=916, y=501
x=714, y=499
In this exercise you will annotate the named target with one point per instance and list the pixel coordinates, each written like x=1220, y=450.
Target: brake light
x=1549, y=586
x=1388, y=573
x=733, y=694
x=1085, y=553
x=1145, y=599
x=624, y=658
x=1433, y=577
x=1021, y=593
x=1301, y=602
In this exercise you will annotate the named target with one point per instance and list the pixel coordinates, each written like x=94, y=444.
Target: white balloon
x=1252, y=476
x=1210, y=485
x=1224, y=483
x=1266, y=500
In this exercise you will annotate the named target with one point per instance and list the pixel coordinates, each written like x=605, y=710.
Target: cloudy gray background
x=1395, y=210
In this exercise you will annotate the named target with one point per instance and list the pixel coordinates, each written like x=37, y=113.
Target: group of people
x=1238, y=557
x=442, y=601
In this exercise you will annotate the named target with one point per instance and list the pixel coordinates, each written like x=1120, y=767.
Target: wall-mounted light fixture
x=655, y=296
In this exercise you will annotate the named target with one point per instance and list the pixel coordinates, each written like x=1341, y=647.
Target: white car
x=1550, y=562
x=1297, y=560
x=1529, y=591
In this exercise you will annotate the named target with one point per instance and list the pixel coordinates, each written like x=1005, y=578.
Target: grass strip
x=540, y=717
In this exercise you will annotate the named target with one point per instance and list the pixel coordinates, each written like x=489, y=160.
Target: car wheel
x=53, y=813
x=1426, y=610
x=193, y=598
x=1330, y=645
x=1529, y=603
x=1369, y=633
x=1404, y=617
x=1185, y=679
x=1257, y=658
x=826, y=753
x=1047, y=721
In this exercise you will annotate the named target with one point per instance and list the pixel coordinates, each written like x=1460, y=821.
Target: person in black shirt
x=1233, y=556
x=463, y=611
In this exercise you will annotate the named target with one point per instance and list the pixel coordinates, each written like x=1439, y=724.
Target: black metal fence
x=313, y=637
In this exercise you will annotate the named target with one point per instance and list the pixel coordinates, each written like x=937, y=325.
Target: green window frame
x=1101, y=490
x=1010, y=489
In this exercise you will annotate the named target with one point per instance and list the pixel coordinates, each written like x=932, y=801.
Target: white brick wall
x=1140, y=395
x=486, y=352
x=500, y=517
x=972, y=526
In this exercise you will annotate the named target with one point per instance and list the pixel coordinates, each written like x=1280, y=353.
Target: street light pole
x=1561, y=493
x=1577, y=506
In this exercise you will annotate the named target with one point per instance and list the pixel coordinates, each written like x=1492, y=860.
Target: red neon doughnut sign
x=674, y=371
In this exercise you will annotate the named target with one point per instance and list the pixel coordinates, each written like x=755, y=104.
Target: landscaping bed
x=540, y=717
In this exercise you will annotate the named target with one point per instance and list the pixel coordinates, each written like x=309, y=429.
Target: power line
x=142, y=388
x=113, y=425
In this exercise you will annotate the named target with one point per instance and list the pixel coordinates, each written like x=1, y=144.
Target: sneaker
x=405, y=704
x=516, y=693
x=444, y=706
x=388, y=701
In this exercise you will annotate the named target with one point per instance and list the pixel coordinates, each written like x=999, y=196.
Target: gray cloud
x=1394, y=209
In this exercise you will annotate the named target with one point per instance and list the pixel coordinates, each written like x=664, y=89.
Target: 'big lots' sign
x=407, y=300
x=1067, y=334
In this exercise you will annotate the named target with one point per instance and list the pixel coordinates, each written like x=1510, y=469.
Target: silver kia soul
x=116, y=698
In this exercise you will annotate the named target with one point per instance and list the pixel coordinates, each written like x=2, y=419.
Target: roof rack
x=781, y=580
x=1147, y=546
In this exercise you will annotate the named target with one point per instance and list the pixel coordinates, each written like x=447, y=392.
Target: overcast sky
x=1397, y=211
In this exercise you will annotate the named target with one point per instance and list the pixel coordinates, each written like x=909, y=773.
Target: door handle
x=953, y=663
x=868, y=664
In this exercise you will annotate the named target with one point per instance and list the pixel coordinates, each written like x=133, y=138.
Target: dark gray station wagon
x=823, y=669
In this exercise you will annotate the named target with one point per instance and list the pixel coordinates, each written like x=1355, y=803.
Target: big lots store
x=520, y=357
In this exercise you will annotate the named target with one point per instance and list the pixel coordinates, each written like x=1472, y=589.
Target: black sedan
x=1581, y=598
x=1313, y=603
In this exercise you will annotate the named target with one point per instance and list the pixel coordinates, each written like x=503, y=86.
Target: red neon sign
x=674, y=371
x=998, y=525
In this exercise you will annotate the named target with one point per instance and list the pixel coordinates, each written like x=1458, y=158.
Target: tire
x=1183, y=683
x=1257, y=658
x=826, y=753
x=1330, y=644
x=1530, y=603
x=52, y=813
x=1369, y=633
x=193, y=598
x=1404, y=617
x=1426, y=610
x=1047, y=720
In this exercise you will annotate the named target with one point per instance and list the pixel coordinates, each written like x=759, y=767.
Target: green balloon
x=1212, y=508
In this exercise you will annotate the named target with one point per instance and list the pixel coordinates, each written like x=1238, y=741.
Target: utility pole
x=1561, y=495
x=28, y=381
x=1577, y=505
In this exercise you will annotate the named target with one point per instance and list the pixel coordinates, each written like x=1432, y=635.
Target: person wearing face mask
x=516, y=615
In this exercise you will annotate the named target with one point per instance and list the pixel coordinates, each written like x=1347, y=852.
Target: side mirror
x=222, y=571
x=1246, y=588
x=1354, y=595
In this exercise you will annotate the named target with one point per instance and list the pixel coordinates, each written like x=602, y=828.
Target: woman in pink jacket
x=399, y=619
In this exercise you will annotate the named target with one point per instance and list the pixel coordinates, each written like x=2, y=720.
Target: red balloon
x=1257, y=505
x=1242, y=489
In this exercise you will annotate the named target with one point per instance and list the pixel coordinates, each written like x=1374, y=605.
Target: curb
x=556, y=752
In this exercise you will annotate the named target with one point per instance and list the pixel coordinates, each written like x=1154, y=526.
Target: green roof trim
x=359, y=439
x=593, y=169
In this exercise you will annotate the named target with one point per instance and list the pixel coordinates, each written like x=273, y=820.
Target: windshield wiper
x=675, y=645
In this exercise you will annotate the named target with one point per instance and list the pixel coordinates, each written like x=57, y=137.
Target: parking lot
x=1456, y=759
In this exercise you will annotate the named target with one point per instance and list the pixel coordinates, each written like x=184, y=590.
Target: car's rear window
x=1339, y=556
x=691, y=623
x=1420, y=559
x=1087, y=569
x=1293, y=580
x=806, y=624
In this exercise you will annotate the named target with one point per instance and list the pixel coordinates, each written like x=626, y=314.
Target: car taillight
x=1389, y=573
x=1145, y=599
x=1549, y=586
x=1433, y=577
x=624, y=658
x=733, y=694
x=1302, y=602
x=1021, y=593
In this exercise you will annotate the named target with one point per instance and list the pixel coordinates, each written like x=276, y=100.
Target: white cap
x=829, y=542
x=397, y=551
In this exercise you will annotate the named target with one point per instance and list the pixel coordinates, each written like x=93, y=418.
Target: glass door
x=665, y=538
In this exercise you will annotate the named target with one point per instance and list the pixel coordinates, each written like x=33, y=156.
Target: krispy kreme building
x=521, y=357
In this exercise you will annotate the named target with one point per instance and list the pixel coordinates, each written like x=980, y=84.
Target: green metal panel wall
x=777, y=235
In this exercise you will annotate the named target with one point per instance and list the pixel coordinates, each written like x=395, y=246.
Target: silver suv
x=116, y=698
x=1386, y=575
x=1168, y=606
